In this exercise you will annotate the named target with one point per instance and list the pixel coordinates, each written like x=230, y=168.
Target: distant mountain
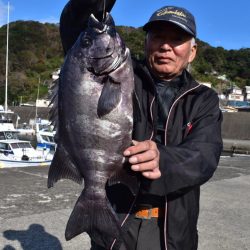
x=35, y=51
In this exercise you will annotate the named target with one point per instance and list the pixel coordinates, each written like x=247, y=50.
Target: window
x=24, y=145
x=3, y=146
x=2, y=137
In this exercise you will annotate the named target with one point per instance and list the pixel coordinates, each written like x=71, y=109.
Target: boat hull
x=15, y=164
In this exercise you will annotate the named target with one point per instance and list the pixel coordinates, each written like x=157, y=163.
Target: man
x=177, y=133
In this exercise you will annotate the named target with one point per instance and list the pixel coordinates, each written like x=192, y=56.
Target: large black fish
x=95, y=120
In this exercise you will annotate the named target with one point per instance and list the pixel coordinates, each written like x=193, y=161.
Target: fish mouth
x=115, y=64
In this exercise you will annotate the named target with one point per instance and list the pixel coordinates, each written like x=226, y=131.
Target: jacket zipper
x=166, y=127
x=152, y=119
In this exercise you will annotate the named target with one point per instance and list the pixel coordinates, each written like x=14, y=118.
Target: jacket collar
x=140, y=68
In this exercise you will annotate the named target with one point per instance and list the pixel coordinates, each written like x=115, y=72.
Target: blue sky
x=223, y=23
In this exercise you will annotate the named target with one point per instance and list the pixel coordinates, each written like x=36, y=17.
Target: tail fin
x=97, y=218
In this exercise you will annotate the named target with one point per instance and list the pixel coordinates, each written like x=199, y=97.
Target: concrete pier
x=34, y=217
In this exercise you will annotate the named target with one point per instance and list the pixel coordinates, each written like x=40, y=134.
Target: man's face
x=168, y=49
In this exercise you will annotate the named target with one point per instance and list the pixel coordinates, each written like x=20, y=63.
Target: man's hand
x=144, y=157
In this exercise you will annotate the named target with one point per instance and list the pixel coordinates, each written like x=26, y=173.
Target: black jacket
x=190, y=155
x=188, y=158
x=192, y=145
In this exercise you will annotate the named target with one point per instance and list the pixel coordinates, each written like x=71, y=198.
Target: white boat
x=45, y=136
x=15, y=152
x=41, y=134
x=26, y=132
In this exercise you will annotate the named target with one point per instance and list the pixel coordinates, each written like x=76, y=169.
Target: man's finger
x=135, y=142
x=152, y=174
x=139, y=147
x=144, y=157
x=146, y=166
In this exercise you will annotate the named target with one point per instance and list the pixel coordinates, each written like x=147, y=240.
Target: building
x=42, y=103
x=235, y=94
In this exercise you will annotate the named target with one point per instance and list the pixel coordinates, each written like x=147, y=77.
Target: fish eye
x=86, y=42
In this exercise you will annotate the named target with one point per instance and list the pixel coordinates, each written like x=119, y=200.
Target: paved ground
x=33, y=217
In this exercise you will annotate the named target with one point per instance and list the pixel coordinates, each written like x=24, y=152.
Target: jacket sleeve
x=74, y=18
x=193, y=162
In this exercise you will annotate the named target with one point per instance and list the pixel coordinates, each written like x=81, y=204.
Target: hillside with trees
x=35, y=51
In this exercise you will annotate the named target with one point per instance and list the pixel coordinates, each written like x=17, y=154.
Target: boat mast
x=7, y=61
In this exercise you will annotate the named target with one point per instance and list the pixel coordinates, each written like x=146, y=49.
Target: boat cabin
x=16, y=148
x=6, y=120
x=8, y=135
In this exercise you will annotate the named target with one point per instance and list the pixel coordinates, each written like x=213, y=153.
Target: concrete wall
x=236, y=126
x=26, y=113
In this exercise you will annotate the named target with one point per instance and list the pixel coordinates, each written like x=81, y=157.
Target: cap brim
x=147, y=26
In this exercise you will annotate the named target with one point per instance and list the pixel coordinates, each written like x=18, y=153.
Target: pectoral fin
x=110, y=97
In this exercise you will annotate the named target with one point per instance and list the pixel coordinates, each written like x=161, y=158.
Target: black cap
x=176, y=15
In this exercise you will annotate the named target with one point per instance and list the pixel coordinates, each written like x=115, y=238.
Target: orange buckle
x=148, y=213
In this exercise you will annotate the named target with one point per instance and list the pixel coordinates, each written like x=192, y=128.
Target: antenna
x=7, y=60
